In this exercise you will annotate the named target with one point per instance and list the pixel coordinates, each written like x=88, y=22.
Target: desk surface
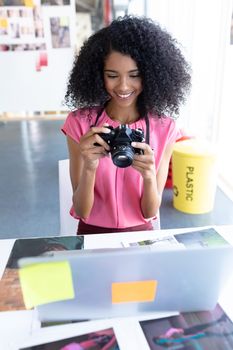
x=27, y=329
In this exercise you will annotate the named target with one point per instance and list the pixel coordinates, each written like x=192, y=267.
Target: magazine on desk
x=203, y=330
x=99, y=340
x=207, y=237
x=10, y=290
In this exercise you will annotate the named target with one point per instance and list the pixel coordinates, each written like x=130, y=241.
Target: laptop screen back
x=133, y=281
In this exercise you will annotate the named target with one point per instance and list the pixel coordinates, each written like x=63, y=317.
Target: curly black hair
x=164, y=71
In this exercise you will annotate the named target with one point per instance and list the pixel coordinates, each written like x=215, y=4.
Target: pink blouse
x=118, y=191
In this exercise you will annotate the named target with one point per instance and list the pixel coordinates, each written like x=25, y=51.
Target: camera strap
x=99, y=113
x=147, y=129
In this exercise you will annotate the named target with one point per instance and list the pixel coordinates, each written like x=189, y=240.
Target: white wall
x=202, y=27
x=225, y=127
x=22, y=88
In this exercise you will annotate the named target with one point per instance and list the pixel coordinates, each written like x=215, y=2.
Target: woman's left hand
x=144, y=163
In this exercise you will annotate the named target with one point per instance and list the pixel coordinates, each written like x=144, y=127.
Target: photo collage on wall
x=23, y=25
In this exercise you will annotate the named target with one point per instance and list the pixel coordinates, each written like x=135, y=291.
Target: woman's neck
x=122, y=115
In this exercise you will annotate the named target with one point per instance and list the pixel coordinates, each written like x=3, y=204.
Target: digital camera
x=119, y=140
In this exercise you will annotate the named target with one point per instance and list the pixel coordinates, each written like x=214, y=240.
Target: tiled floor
x=29, y=154
x=29, y=203
x=222, y=213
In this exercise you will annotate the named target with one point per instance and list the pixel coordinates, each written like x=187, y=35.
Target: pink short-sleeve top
x=118, y=191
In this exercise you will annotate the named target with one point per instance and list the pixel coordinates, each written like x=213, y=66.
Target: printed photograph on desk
x=100, y=340
x=10, y=290
x=203, y=330
x=208, y=237
x=156, y=242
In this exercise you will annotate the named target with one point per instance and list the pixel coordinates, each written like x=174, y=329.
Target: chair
x=156, y=223
x=68, y=225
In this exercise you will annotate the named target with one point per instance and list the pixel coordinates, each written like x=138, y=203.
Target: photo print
x=100, y=340
x=60, y=32
x=12, y=3
x=203, y=330
x=11, y=297
x=55, y=2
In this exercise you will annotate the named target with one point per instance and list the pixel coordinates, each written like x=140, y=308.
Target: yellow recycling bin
x=194, y=176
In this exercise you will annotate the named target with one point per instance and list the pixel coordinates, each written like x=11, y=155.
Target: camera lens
x=122, y=155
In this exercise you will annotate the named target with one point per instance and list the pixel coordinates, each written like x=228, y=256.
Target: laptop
x=134, y=281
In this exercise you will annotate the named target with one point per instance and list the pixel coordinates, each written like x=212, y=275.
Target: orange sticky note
x=138, y=291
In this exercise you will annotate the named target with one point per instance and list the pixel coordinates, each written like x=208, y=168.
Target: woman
x=127, y=76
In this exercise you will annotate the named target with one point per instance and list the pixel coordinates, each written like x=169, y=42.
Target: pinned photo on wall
x=55, y=2
x=83, y=28
x=4, y=47
x=12, y=3
x=3, y=24
x=29, y=3
x=38, y=22
x=60, y=32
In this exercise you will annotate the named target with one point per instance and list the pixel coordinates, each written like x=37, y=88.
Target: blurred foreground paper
x=46, y=282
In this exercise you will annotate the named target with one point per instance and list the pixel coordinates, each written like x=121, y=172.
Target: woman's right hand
x=92, y=147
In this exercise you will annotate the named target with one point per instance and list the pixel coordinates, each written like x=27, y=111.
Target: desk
x=21, y=328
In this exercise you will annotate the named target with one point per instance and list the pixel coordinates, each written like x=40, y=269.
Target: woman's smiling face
x=122, y=79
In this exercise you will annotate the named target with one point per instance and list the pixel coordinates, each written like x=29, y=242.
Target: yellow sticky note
x=137, y=291
x=64, y=21
x=42, y=283
x=3, y=23
x=29, y=3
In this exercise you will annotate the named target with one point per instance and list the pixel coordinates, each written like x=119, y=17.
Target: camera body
x=119, y=140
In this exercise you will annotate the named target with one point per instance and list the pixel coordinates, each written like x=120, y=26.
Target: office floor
x=29, y=201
